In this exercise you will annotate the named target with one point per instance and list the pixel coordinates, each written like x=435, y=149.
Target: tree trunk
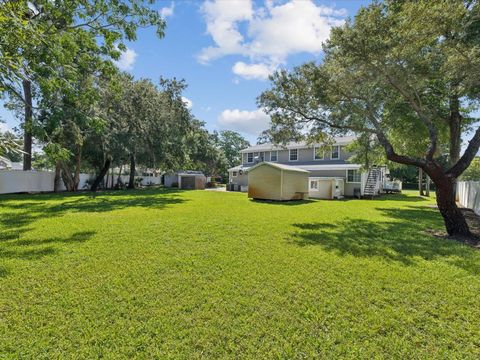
x=67, y=177
x=427, y=185
x=420, y=181
x=119, y=179
x=78, y=163
x=101, y=175
x=27, y=126
x=58, y=176
x=131, y=181
x=455, y=128
x=452, y=216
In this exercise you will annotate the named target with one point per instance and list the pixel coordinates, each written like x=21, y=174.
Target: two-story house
x=331, y=175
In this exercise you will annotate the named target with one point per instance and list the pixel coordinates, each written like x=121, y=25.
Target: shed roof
x=279, y=166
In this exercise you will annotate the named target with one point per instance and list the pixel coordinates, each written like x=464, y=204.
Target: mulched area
x=473, y=221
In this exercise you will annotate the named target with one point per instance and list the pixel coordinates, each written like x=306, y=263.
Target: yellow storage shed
x=272, y=181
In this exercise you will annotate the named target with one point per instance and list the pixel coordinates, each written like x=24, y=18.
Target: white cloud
x=188, y=102
x=222, y=18
x=249, y=122
x=272, y=33
x=167, y=11
x=4, y=128
x=127, y=59
x=252, y=71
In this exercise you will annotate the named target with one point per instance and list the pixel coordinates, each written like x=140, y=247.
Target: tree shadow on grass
x=283, y=202
x=16, y=217
x=401, y=197
x=78, y=237
x=402, y=238
x=388, y=197
x=28, y=249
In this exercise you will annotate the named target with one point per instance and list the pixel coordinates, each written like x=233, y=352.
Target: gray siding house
x=331, y=175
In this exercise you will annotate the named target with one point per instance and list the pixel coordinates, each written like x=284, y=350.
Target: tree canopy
x=49, y=47
x=230, y=143
x=402, y=83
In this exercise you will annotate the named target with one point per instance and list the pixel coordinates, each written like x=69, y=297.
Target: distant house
x=185, y=179
x=331, y=175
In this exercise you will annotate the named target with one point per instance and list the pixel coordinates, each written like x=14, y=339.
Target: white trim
x=329, y=167
x=279, y=166
x=353, y=182
x=289, y=157
x=331, y=153
x=315, y=153
x=253, y=157
x=273, y=151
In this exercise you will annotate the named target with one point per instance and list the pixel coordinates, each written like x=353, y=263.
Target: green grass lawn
x=199, y=274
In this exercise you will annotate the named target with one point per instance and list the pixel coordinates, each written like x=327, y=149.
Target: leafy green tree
x=144, y=125
x=231, y=142
x=402, y=80
x=473, y=171
x=204, y=153
x=10, y=146
x=37, y=38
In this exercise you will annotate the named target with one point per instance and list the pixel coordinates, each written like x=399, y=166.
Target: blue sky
x=225, y=50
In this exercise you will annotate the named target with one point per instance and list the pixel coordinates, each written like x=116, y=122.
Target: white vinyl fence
x=12, y=181
x=468, y=195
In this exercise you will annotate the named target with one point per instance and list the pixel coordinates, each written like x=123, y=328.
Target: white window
x=313, y=184
x=318, y=153
x=293, y=154
x=274, y=155
x=335, y=152
x=354, y=176
x=250, y=158
x=234, y=173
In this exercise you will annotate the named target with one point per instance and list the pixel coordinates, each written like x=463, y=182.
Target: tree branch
x=432, y=131
x=462, y=164
x=390, y=151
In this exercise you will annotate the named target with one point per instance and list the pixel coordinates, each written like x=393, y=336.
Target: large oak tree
x=404, y=74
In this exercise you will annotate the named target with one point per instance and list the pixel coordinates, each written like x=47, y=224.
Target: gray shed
x=272, y=181
x=187, y=180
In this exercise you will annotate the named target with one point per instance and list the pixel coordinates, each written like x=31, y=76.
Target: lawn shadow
x=78, y=237
x=402, y=238
x=283, y=202
x=16, y=217
x=28, y=249
x=389, y=197
x=402, y=197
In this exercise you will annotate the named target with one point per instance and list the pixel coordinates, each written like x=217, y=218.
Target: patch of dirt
x=473, y=221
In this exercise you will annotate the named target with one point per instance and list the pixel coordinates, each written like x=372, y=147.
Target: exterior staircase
x=372, y=184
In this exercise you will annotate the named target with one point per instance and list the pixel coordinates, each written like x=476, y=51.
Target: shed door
x=188, y=182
